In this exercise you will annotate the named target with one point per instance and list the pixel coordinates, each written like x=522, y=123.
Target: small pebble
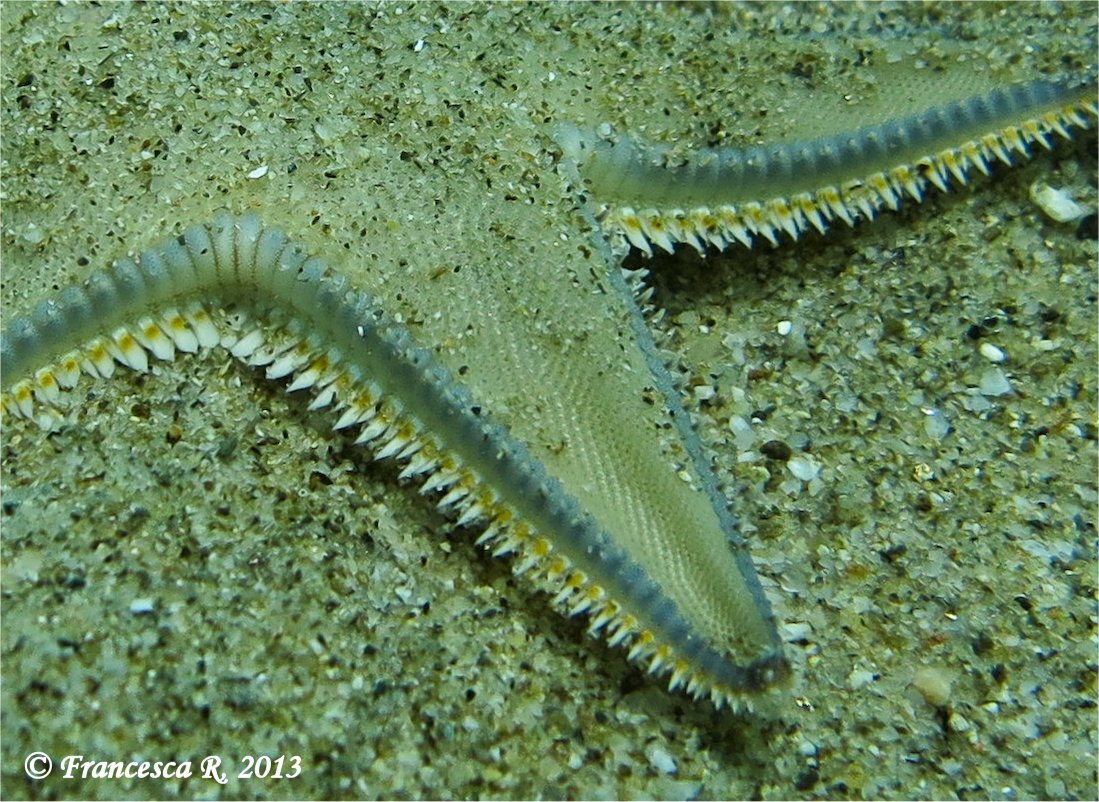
x=935, y=424
x=705, y=392
x=797, y=630
x=776, y=450
x=803, y=468
x=141, y=606
x=992, y=353
x=661, y=760
x=860, y=678
x=934, y=684
x=994, y=382
x=958, y=723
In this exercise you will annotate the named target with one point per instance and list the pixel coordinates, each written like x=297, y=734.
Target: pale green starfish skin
x=267, y=551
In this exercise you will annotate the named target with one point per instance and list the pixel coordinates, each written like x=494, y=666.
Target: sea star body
x=369, y=154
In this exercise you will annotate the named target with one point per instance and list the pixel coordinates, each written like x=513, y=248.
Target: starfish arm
x=312, y=326
x=717, y=196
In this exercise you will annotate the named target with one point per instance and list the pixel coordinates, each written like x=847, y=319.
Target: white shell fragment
x=1056, y=203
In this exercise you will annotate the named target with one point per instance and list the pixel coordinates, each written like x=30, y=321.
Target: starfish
x=636, y=537
x=419, y=310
